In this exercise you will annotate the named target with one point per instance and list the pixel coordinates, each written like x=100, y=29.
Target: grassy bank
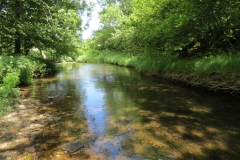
x=215, y=72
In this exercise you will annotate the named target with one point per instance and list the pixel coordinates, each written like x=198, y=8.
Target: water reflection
x=129, y=116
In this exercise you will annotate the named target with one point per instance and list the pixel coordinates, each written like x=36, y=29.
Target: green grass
x=218, y=72
x=217, y=63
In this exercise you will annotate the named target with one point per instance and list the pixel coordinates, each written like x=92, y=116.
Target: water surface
x=119, y=114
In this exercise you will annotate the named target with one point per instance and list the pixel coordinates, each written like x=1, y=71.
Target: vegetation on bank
x=31, y=29
x=214, y=72
x=183, y=28
x=196, y=42
x=20, y=70
x=34, y=34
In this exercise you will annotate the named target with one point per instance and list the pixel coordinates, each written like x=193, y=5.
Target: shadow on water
x=193, y=129
x=118, y=114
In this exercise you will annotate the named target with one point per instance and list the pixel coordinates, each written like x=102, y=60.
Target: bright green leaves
x=111, y=16
x=11, y=80
x=43, y=24
x=110, y=35
x=177, y=27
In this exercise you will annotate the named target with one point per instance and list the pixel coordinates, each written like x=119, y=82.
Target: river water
x=117, y=113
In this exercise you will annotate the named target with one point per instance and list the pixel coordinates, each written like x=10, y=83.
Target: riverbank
x=18, y=71
x=215, y=72
x=18, y=129
x=37, y=130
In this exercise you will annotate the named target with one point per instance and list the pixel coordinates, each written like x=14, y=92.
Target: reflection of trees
x=67, y=91
x=67, y=96
x=70, y=66
x=155, y=118
x=161, y=119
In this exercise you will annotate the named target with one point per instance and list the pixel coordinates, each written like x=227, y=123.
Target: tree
x=115, y=26
x=44, y=24
x=180, y=27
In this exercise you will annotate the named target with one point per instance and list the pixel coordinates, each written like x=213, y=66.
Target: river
x=117, y=113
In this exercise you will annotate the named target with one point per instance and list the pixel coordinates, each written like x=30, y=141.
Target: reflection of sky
x=95, y=110
x=93, y=98
x=87, y=81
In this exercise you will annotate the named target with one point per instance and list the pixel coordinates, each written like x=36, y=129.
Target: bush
x=66, y=59
x=8, y=99
x=11, y=79
x=19, y=70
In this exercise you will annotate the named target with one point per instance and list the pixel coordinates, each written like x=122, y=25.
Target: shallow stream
x=117, y=113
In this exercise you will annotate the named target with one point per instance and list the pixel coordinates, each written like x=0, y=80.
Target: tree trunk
x=26, y=51
x=0, y=45
x=43, y=55
x=17, y=44
x=0, y=34
x=17, y=17
x=27, y=46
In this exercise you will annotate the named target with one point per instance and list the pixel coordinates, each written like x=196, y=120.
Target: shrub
x=11, y=79
x=8, y=99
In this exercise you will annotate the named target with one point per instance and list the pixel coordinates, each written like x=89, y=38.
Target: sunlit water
x=119, y=114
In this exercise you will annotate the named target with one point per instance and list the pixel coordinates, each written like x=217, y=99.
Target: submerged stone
x=31, y=149
x=170, y=156
x=54, y=118
x=22, y=106
x=73, y=146
x=57, y=118
x=51, y=97
x=9, y=158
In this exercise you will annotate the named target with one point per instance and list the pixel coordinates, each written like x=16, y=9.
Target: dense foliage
x=16, y=70
x=28, y=28
x=43, y=24
x=193, y=41
x=183, y=28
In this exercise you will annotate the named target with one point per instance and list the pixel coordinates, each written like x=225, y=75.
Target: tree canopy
x=44, y=24
x=180, y=27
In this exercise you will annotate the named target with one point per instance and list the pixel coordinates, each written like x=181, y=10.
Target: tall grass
x=224, y=63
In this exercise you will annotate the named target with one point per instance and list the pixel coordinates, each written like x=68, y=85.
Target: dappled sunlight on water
x=118, y=114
